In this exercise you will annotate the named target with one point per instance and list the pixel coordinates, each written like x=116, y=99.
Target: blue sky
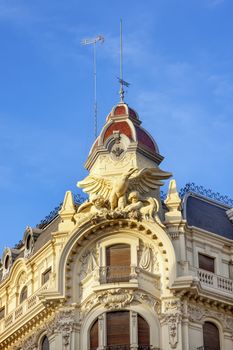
x=178, y=57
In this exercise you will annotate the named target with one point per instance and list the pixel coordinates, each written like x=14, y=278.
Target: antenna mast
x=121, y=81
x=93, y=42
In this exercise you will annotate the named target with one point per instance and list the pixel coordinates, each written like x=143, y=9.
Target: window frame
x=2, y=312
x=23, y=297
x=219, y=334
x=49, y=271
x=133, y=329
x=206, y=256
x=42, y=338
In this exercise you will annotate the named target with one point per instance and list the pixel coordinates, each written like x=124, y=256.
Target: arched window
x=45, y=343
x=211, y=336
x=118, y=263
x=23, y=294
x=117, y=332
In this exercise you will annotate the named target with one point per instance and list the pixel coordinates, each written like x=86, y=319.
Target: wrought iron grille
x=126, y=347
x=191, y=187
x=117, y=347
x=78, y=199
x=111, y=274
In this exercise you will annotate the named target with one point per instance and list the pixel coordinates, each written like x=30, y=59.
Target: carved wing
x=84, y=207
x=93, y=184
x=147, y=179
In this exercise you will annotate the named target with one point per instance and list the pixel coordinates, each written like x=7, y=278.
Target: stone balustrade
x=215, y=281
x=22, y=309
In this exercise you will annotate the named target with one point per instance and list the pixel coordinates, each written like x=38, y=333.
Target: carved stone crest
x=149, y=260
x=116, y=298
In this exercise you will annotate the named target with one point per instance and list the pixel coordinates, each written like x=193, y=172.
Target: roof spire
x=121, y=81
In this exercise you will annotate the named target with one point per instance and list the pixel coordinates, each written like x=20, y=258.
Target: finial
x=173, y=203
x=121, y=81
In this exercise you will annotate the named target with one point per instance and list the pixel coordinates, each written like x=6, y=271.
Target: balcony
x=127, y=347
x=113, y=274
x=211, y=280
x=22, y=309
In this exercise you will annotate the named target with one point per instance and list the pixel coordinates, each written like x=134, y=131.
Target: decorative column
x=133, y=330
x=66, y=330
x=185, y=327
x=175, y=226
x=170, y=319
x=102, y=331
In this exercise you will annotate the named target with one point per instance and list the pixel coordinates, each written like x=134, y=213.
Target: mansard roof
x=207, y=214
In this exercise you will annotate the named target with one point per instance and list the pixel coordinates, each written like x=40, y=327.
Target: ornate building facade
x=126, y=269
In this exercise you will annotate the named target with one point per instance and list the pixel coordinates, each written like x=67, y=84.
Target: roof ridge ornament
x=120, y=79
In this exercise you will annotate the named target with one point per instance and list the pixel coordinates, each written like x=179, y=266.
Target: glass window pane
x=211, y=336
x=45, y=344
x=206, y=262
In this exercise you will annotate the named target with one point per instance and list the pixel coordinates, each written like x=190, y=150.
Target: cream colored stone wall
x=165, y=285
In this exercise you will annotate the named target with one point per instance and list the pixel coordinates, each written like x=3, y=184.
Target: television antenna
x=94, y=41
x=120, y=79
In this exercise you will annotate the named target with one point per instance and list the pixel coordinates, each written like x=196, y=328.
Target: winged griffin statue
x=123, y=193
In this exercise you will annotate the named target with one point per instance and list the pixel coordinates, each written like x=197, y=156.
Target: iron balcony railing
x=126, y=347
x=111, y=274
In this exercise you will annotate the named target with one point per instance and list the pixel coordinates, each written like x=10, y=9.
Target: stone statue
x=115, y=191
x=146, y=209
x=95, y=207
x=135, y=203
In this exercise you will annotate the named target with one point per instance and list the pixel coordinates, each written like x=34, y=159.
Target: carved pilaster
x=171, y=318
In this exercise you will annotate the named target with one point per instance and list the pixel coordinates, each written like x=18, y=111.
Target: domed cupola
x=123, y=141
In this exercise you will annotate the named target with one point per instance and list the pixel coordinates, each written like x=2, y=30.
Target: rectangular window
x=206, y=262
x=46, y=275
x=118, y=263
x=2, y=313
